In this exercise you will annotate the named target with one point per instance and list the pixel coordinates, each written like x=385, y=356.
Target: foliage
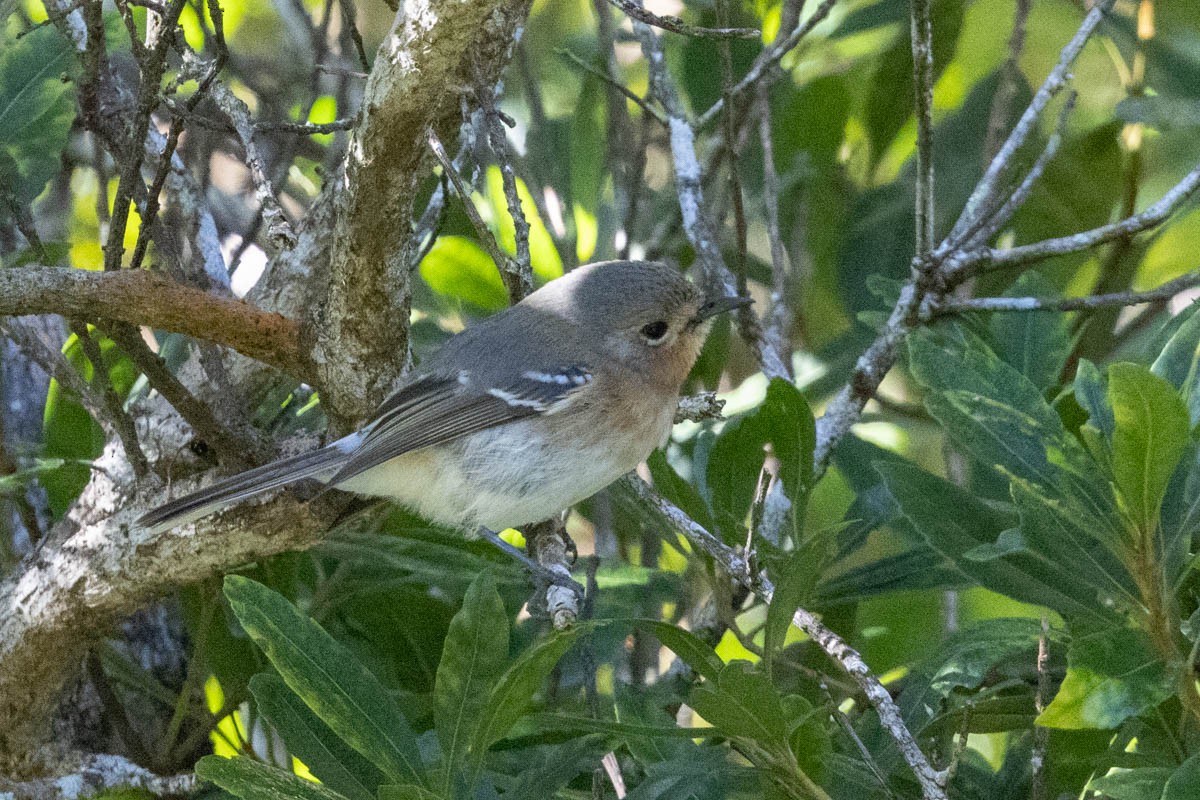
x=1010, y=538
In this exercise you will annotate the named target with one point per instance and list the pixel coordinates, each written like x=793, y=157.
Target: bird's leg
x=550, y=546
x=556, y=595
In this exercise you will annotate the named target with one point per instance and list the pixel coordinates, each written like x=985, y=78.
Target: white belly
x=503, y=477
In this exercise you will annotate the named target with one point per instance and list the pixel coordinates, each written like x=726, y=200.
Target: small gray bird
x=520, y=416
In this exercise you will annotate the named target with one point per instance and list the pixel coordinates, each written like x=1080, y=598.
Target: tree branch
x=138, y=297
x=360, y=330
x=740, y=567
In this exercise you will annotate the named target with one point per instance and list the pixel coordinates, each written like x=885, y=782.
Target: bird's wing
x=436, y=409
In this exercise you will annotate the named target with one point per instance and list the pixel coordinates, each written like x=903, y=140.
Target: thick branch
x=146, y=298
x=433, y=48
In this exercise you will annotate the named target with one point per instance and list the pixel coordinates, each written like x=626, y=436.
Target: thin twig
x=486, y=238
x=987, y=259
x=1015, y=304
x=984, y=194
x=121, y=421
x=676, y=25
x=688, y=186
x=152, y=67
x=236, y=444
x=1010, y=76
x=518, y=282
x=740, y=568
x=638, y=100
x=937, y=273
x=1037, y=757
x=922, y=53
x=768, y=59
x=989, y=225
x=778, y=319
x=279, y=230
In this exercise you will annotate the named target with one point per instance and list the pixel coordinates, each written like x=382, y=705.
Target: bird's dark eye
x=655, y=330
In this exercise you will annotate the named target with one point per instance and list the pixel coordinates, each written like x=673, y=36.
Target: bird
x=519, y=416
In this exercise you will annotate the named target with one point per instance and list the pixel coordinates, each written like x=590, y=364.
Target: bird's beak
x=720, y=305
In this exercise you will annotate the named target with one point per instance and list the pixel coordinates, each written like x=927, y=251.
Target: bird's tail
x=243, y=486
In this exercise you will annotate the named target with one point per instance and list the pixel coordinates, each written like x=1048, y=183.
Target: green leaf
x=685, y=644
x=1036, y=343
x=312, y=741
x=327, y=677
x=791, y=586
x=968, y=656
x=743, y=704
x=473, y=659
x=1161, y=113
x=924, y=500
x=1184, y=783
x=406, y=791
x=1179, y=361
x=36, y=109
x=1000, y=418
x=1111, y=676
x=1091, y=392
x=1146, y=783
x=251, y=780
x=1150, y=437
x=459, y=268
x=510, y=698
x=784, y=421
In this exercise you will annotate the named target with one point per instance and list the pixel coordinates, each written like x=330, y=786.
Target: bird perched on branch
x=521, y=415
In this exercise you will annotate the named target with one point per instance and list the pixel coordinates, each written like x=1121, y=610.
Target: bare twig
x=984, y=194
x=778, y=323
x=1015, y=304
x=140, y=297
x=922, y=53
x=518, y=281
x=696, y=224
x=676, y=25
x=699, y=407
x=121, y=421
x=768, y=59
x=486, y=238
x=1041, y=736
x=987, y=259
x=50, y=359
x=740, y=567
x=236, y=443
x=152, y=67
x=613, y=83
x=1009, y=81
x=988, y=226
x=279, y=230
x=935, y=274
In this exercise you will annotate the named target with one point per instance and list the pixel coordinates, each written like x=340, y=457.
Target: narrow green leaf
x=309, y=739
x=1091, y=393
x=685, y=644
x=924, y=500
x=509, y=700
x=1146, y=783
x=406, y=791
x=1036, y=343
x=1150, y=437
x=1184, y=783
x=1111, y=676
x=1179, y=361
x=791, y=585
x=785, y=422
x=327, y=677
x=743, y=704
x=251, y=780
x=473, y=659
